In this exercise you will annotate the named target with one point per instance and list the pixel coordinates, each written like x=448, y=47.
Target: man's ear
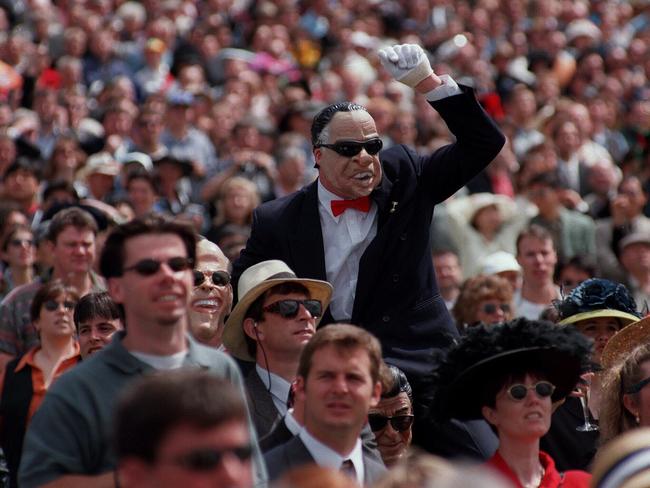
x=249, y=329
x=318, y=153
x=115, y=289
x=376, y=394
x=299, y=390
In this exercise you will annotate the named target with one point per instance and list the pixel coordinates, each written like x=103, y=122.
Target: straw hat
x=624, y=462
x=626, y=339
x=252, y=284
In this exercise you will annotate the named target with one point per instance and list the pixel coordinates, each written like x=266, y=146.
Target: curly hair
x=474, y=291
x=615, y=418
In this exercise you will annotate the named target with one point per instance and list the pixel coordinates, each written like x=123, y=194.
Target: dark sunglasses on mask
x=352, y=148
x=208, y=459
x=491, y=308
x=289, y=308
x=219, y=278
x=53, y=305
x=543, y=389
x=149, y=267
x=399, y=423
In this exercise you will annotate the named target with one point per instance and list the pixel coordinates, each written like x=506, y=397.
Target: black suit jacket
x=293, y=454
x=397, y=296
x=260, y=403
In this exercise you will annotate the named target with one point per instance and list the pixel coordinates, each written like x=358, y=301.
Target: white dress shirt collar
x=325, y=198
x=327, y=457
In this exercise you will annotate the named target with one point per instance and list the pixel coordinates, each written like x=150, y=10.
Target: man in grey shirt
x=148, y=267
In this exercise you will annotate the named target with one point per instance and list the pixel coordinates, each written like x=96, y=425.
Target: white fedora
x=252, y=284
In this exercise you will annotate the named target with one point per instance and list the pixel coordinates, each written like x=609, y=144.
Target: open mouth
x=208, y=305
x=363, y=177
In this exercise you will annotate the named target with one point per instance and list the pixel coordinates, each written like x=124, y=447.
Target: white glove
x=408, y=63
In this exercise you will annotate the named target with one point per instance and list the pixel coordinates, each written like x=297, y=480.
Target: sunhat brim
x=234, y=337
x=605, y=312
x=624, y=341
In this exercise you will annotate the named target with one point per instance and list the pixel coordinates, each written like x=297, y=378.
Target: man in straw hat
x=275, y=317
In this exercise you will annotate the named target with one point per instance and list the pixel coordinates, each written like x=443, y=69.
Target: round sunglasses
x=219, y=278
x=52, y=305
x=352, y=148
x=399, y=423
x=543, y=389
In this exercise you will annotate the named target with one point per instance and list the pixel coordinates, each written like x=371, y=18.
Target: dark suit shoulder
x=374, y=469
x=286, y=456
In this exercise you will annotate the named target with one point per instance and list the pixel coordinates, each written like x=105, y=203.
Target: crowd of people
x=221, y=264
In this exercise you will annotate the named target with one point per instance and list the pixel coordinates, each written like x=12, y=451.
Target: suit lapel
x=261, y=399
x=297, y=453
x=306, y=242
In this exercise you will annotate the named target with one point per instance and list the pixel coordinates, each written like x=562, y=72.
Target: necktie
x=339, y=206
x=347, y=468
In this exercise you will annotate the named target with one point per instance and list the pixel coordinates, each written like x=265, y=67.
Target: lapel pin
x=393, y=207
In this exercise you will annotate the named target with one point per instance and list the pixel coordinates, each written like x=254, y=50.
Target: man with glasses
x=276, y=315
x=184, y=429
x=211, y=298
x=148, y=266
x=363, y=226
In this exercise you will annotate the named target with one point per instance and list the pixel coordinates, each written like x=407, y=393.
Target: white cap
x=499, y=262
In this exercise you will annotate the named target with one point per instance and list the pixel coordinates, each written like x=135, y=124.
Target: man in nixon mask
x=364, y=224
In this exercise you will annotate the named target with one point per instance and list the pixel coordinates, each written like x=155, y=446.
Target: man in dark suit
x=364, y=225
x=338, y=380
x=273, y=320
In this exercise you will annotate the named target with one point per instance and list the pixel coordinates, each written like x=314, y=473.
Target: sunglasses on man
x=352, y=148
x=149, y=266
x=219, y=278
x=399, y=423
x=288, y=309
x=543, y=389
x=201, y=460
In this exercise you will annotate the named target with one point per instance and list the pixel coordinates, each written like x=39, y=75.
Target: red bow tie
x=339, y=206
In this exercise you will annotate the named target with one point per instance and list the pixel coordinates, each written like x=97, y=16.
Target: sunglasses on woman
x=288, y=309
x=149, y=267
x=399, y=423
x=543, y=389
x=352, y=148
x=491, y=308
x=53, y=305
x=219, y=278
x=208, y=459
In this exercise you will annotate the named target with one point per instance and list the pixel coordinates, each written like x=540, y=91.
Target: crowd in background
x=202, y=110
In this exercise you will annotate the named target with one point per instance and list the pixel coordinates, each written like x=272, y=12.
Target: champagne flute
x=584, y=389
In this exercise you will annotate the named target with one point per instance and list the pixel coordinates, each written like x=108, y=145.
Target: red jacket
x=552, y=478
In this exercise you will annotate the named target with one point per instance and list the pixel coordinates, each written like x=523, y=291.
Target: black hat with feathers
x=476, y=368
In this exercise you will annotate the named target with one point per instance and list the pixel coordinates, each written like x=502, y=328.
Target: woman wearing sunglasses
x=510, y=374
x=28, y=377
x=597, y=308
x=19, y=255
x=391, y=420
x=483, y=299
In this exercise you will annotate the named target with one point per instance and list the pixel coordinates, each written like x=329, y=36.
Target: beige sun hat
x=252, y=284
x=467, y=207
x=624, y=341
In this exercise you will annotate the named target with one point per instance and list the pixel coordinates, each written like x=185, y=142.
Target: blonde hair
x=236, y=182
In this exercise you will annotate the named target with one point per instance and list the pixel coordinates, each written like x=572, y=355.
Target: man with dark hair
x=20, y=185
x=340, y=377
x=182, y=429
x=71, y=243
x=96, y=317
x=148, y=267
x=364, y=225
x=275, y=317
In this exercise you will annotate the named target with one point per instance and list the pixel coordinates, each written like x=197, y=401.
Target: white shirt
x=291, y=422
x=173, y=361
x=345, y=238
x=328, y=458
x=279, y=388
